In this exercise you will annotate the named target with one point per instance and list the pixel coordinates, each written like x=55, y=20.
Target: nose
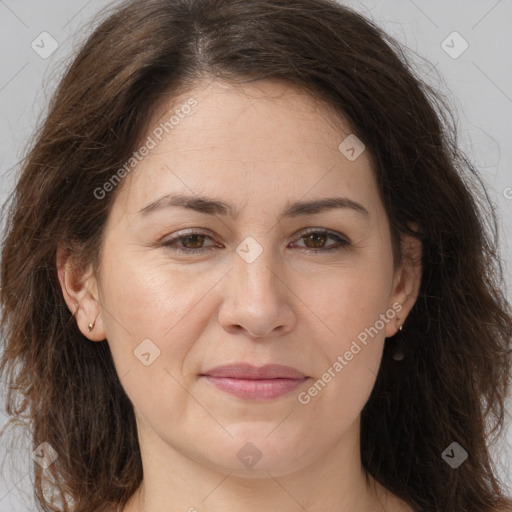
x=257, y=300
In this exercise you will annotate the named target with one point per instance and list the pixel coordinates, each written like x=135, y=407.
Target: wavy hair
x=453, y=383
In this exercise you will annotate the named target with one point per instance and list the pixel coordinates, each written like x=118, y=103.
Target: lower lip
x=252, y=389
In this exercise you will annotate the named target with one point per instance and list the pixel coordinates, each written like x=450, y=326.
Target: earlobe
x=80, y=293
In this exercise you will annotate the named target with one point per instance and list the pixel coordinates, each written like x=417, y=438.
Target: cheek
x=339, y=395
x=353, y=311
x=349, y=302
x=153, y=314
x=151, y=296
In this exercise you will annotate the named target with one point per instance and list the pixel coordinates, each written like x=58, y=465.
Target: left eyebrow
x=321, y=205
x=213, y=206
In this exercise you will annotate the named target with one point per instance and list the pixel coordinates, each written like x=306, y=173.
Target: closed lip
x=250, y=372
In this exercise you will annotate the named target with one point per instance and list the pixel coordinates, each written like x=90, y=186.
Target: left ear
x=79, y=288
x=406, y=282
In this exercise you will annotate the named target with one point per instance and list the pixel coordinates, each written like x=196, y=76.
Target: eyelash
x=344, y=243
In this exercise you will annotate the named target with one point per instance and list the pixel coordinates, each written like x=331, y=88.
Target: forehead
x=248, y=114
x=268, y=134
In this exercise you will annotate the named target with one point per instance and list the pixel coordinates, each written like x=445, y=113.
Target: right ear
x=80, y=290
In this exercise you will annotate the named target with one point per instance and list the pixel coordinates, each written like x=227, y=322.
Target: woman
x=245, y=269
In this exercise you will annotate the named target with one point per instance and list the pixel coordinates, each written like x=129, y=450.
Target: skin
x=260, y=147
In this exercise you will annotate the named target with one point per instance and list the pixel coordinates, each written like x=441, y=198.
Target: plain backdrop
x=466, y=44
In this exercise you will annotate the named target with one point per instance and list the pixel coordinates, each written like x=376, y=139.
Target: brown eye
x=188, y=243
x=193, y=241
x=316, y=241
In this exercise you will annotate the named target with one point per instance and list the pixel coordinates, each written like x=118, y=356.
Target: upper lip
x=248, y=371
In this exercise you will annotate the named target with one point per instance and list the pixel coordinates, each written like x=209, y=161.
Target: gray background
x=478, y=84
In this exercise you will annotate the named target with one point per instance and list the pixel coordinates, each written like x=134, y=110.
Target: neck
x=175, y=482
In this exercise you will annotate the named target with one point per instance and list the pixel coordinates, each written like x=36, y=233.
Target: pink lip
x=252, y=383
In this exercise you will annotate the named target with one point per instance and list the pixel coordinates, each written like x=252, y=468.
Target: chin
x=255, y=454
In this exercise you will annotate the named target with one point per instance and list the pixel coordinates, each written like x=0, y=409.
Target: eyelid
x=343, y=240
x=307, y=231
x=185, y=233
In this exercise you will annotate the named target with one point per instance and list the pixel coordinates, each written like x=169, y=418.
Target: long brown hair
x=452, y=384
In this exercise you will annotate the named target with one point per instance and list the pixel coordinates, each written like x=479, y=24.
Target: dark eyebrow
x=212, y=206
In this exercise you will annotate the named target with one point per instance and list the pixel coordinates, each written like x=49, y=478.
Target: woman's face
x=255, y=292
